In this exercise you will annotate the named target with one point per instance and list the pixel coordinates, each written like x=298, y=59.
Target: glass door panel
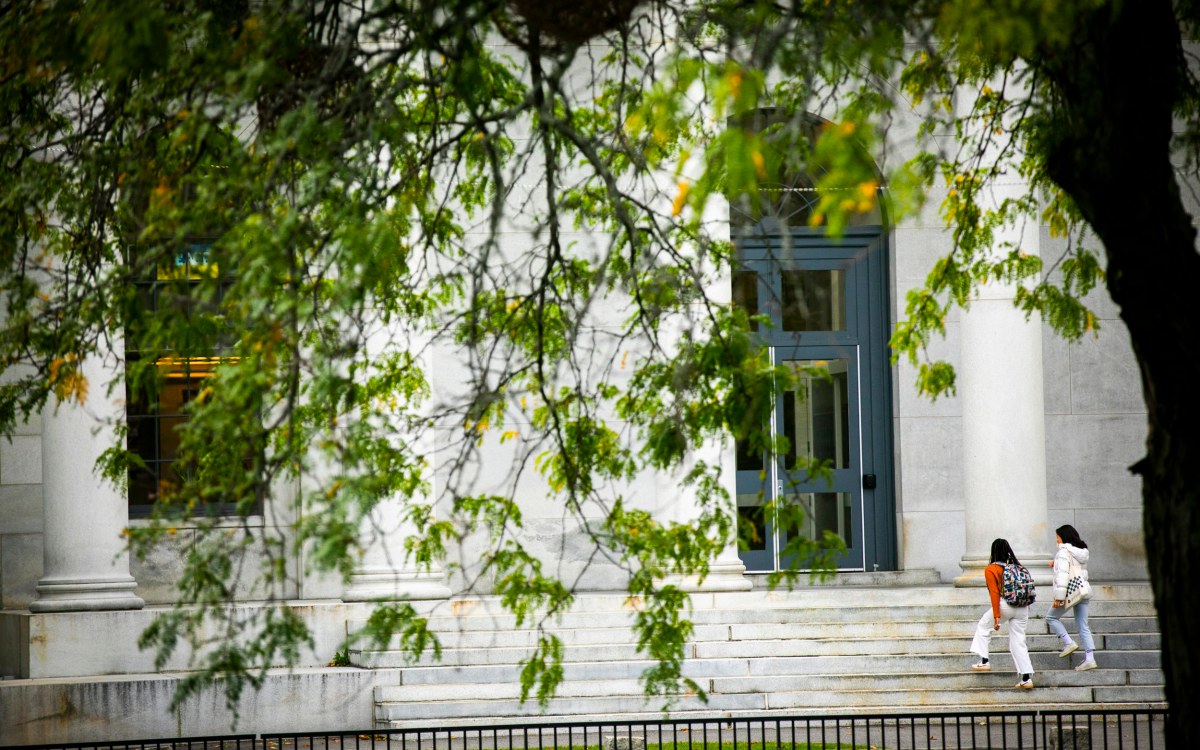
x=824, y=511
x=813, y=299
x=756, y=533
x=813, y=487
x=820, y=473
x=816, y=414
x=746, y=294
x=809, y=302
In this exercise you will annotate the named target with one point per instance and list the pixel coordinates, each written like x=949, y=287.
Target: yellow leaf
x=66, y=381
x=760, y=167
x=680, y=198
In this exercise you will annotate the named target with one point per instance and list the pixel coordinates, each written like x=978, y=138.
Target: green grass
x=683, y=744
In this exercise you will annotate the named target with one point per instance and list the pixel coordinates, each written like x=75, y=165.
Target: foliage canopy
x=367, y=188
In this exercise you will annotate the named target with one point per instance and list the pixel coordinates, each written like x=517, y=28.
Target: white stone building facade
x=1040, y=433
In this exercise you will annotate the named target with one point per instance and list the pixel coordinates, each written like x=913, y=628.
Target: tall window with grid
x=189, y=283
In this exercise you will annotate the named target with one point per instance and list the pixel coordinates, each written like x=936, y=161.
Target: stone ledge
x=64, y=644
x=119, y=708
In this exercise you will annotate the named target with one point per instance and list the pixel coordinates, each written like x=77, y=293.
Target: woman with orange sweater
x=1003, y=612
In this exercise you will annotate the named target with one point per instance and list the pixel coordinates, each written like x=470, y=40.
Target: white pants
x=1017, y=618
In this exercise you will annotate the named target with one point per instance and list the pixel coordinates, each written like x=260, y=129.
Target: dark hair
x=1002, y=553
x=1070, y=536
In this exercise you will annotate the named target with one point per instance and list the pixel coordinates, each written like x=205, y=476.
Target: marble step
x=743, y=704
x=773, y=648
x=862, y=612
x=825, y=597
x=762, y=653
x=1113, y=617
x=826, y=683
x=1141, y=668
x=527, y=637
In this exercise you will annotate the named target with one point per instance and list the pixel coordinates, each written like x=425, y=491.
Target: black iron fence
x=1134, y=729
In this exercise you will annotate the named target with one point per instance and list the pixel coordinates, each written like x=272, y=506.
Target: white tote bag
x=1078, y=588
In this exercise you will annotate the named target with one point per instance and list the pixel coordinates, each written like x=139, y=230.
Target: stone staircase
x=815, y=650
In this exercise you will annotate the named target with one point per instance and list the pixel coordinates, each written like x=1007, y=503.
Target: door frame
x=864, y=252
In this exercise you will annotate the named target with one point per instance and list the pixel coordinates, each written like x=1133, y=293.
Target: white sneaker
x=982, y=667
x=1025, y=684
x=1069, y=649
x=1086, y=665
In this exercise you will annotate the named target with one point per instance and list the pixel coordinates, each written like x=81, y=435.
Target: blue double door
x=827, y=305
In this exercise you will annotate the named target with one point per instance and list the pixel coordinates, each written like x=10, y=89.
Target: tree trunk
x=1112, y=155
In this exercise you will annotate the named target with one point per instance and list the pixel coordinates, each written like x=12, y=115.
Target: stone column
x=86, y=563
x=1004, y=433
x=384, y=572
x=726, y=572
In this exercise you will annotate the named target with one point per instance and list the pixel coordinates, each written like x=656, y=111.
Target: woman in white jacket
x=1071, y=547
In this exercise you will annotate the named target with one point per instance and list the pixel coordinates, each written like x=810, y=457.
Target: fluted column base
x=972, y=575
x=86, y=595
x=368, y=585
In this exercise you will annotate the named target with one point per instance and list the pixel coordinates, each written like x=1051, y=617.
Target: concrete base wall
x=89, y=644
x=116, y=709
